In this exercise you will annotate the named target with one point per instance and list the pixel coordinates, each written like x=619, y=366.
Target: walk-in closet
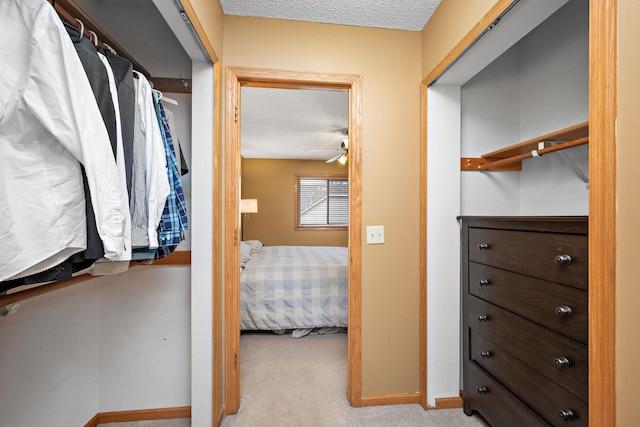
x=109, y=343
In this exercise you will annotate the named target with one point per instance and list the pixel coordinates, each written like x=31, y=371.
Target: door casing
x=236, y=77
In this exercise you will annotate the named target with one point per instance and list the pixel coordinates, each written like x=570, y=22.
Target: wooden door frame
x=236, y=77
x=603, y=28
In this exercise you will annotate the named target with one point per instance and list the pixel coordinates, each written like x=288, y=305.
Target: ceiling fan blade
x=321, y=150
x=334, y=158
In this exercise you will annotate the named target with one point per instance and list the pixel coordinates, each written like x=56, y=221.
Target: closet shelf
x=177, y=258
x=510, y=158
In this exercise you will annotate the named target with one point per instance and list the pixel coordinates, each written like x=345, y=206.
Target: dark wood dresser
x=524, y=320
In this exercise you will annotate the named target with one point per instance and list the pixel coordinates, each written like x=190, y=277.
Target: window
x=322, y=202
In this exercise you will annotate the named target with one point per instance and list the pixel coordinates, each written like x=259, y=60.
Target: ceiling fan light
x=343, y=159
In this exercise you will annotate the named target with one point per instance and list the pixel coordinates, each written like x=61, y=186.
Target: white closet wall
x=538, y=86
x=143, y=339
x=554, y=94
x=49, y=359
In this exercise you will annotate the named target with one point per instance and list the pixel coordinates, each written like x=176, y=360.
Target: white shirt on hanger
x=157, y=178
x=49, y=124
x=122, y=173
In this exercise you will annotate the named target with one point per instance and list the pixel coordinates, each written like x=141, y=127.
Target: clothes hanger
x=74, y=32
x=81, y=27
x=93, y=37
x=112, y=50
x=161, y=96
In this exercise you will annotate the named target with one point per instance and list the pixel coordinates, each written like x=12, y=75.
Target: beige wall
x=272, y=182
x=389, y=63
x=210, y=15
x=628, y=224
x=452, y=20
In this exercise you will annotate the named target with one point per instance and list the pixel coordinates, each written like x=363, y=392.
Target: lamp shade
x=249, y=206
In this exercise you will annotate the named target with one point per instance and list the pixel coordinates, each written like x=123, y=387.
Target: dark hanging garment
x=61, y=271
x=184, y=168
x=99, y=81
x=123, y=73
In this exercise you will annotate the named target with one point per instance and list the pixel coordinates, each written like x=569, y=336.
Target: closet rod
x=533, y=153
x=69, y=12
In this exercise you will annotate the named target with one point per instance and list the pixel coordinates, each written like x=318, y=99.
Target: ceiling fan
x=342, y=153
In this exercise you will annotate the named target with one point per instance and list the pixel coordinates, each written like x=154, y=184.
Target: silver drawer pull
x=561, y=362
x=483, y=246
x=484, y=282
x=564, y=311
x=483, y=318
x=482, y=390
x=485, y=354
x=564, y=259
x=566, y=415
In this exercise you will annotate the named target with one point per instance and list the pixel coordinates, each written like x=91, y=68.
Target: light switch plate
x=375, y=234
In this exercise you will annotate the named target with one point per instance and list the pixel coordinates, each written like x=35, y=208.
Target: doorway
x=252, y=77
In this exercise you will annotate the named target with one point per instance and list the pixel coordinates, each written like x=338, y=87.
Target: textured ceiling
x=285, y=123
x=411, y=15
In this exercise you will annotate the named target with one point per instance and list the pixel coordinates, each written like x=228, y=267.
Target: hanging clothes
x=123, y=74
x=174, y=215
x=150, y=195
x=49, y=125
x=105, y=266
x=99, y=82
x=173, y=129
x=120, y=162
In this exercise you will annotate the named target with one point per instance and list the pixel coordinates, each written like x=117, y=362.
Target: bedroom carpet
x=288, y=382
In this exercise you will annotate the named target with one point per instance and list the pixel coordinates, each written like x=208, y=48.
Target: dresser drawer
x=538, y=347
x=547, y=398
x=561, y=258
x=496, y=405
x=561, y=308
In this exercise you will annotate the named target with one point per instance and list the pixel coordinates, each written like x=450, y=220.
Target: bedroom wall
x=627, y=291
x=272, y=182
x=389, y=62
x=451, y=21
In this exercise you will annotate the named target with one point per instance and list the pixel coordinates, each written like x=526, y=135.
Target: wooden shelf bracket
x=510, y=158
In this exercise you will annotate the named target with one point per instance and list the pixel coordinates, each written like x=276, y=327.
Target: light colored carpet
x=288, y=382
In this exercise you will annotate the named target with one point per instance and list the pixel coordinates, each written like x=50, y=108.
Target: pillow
x=255, y=245
x=245, y=253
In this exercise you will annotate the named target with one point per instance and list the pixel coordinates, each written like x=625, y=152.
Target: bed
x=299, y=288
